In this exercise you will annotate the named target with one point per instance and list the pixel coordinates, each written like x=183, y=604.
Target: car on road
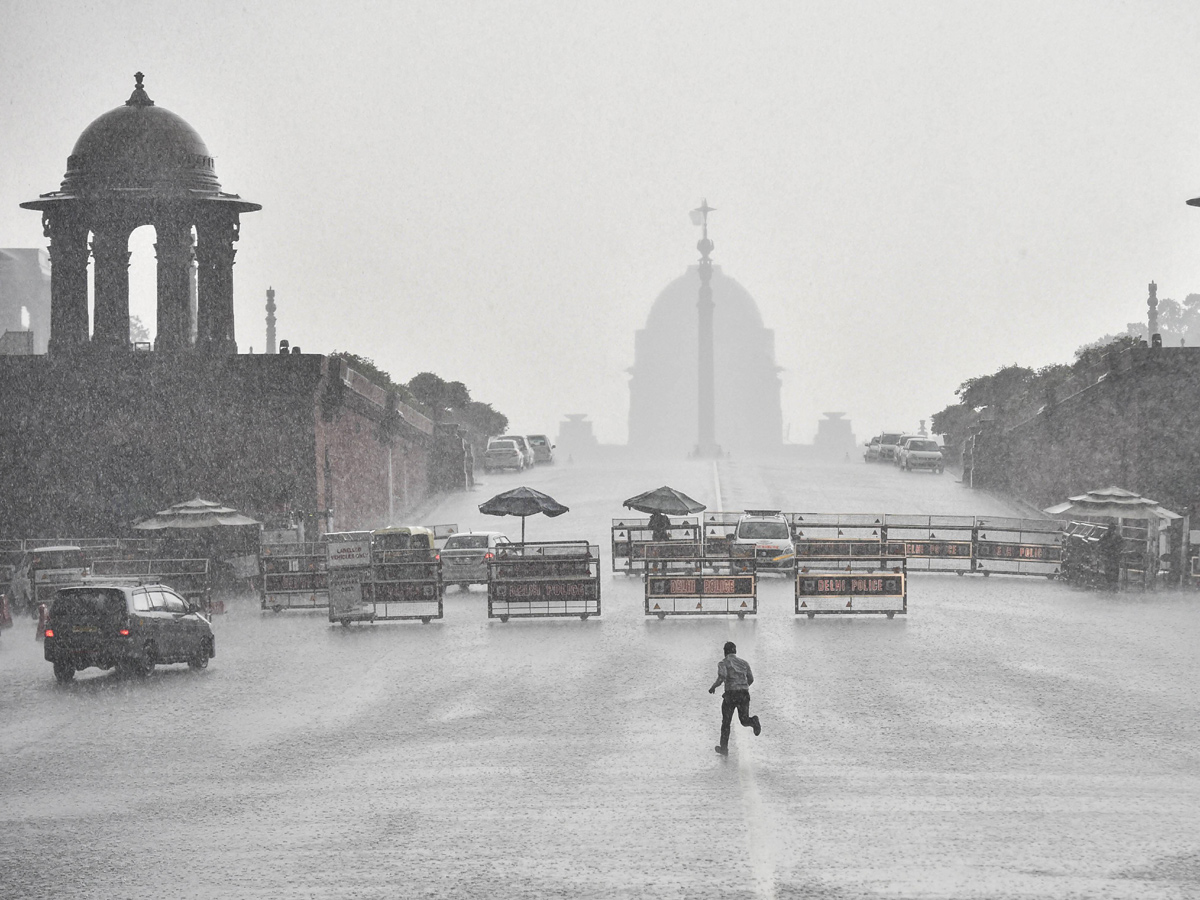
x=523, y=445
x=900, y=442
x=871, y=453
x=768, y=532
x=503, y=454
x=124, y=625
x=465, y=556
x=543, y=450
x=889, y=446
x=922, y=453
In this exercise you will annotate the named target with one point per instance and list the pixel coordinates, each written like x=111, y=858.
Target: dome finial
x=139, y=97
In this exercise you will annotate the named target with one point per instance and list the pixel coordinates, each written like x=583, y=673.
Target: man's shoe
x=757, y=727
x=724, y=751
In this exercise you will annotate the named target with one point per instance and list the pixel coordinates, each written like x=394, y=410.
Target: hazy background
x=914, y=193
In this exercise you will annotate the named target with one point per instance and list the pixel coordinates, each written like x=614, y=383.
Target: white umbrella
x=1112, y=503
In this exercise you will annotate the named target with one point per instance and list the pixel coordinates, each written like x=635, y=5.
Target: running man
x=735, y=674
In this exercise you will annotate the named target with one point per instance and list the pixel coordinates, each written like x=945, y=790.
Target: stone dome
x=140, y=146
x=732, y=302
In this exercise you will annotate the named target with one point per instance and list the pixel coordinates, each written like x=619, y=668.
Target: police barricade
x=1012, y=546
x=719, y=528
x=722, y=583
x=544, y=579
x=293, y=576
x=189, y=578
x=847, y=587
x=933, y=543
x=631, y=536
x=839, y=536
x=404, y=584
x=348, y=566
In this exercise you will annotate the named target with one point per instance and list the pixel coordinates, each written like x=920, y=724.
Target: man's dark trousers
x=731, y=700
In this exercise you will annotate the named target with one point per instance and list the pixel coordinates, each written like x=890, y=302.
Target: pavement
x=1008, y=738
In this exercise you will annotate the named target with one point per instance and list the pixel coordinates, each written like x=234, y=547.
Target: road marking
x=758, y=835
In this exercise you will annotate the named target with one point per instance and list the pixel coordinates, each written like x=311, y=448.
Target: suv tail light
x=489, y=555
x=49, y=633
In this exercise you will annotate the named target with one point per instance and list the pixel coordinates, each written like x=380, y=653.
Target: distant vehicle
x=503, y=454
x=871, y=453
x=543, y=450
x=127, y=626
x=889, y=445
x=922, y=453
x=41, y=572
x=767, y=530
x=402, y=537
x=522, y=445
x=903, y=439
x=465, y=556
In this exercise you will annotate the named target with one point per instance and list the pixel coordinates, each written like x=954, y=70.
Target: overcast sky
x=914, y=193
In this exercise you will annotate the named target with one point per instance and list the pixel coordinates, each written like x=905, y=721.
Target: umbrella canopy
x=1114, y=503
x=522, y=501
x=194, y=514
x=665, y=500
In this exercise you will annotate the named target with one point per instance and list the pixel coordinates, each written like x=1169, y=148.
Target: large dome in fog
x=663, y=383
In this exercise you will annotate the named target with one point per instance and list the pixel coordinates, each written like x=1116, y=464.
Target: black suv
x=130, y=626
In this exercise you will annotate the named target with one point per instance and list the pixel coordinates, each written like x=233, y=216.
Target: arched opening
x=143, y=287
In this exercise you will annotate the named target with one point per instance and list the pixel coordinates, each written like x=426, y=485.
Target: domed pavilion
x=663, y=406
x=140, y=164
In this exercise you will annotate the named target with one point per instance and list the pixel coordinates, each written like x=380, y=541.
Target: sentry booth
x=535, y=580
x=859, y=586
x=716, y=584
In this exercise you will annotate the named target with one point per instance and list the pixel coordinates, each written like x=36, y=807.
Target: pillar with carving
x=175, y=254
x=110, y=249
x=68, y=281
x=216, y=234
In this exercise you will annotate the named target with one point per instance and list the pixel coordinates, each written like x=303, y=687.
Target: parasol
x=1114, y=503
x=522, y=501
x=194, y=514
x=665, y=500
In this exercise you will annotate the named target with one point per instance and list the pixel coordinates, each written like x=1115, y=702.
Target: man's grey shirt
x=736, y=673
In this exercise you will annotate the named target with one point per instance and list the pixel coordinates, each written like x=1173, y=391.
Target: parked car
x=41, y=572
x=465, y=556
x=543, y=450
x=766, y=530
x=128, y=626
x=922, y=453
x=522, y=445
x=871, y=453
x=503, y=454
x=900, y=442
x=889, y=446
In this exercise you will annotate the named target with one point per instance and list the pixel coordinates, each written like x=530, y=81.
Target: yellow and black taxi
x=127, y=626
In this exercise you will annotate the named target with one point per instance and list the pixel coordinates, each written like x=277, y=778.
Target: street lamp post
x=706, y=431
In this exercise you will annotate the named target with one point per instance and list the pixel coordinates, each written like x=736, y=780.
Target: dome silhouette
x=663, y=383
x=140, y=146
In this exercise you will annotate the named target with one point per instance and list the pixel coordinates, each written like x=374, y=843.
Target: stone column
x=110, y=247
x=174, y=249
x=214, y=253
x=68, y=281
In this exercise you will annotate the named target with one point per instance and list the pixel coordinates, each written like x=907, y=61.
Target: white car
x=503, y=454
x=766, y=530
x=922, y=453
x=523, y=445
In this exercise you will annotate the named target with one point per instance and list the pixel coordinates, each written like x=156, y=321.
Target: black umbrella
x=522, y=501
x=665, y=500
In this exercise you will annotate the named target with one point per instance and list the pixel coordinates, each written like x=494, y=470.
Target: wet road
x=1009, y=738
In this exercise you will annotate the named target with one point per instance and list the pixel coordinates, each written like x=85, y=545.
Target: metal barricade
x=294, y=576
x=934, y=543
x=723, y=583
x=860, y=586
x=544, y=579
x=1012, y=546
x=187, y=577
x=719, y=528
x=404, y=584
x=632, y=535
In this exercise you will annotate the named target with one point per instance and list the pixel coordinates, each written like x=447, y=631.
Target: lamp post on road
x=706, y=438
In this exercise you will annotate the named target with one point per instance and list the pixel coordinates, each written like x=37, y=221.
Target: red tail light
x=489, y=555
x=438, y=557
x=49, y=632
x=124, y=632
